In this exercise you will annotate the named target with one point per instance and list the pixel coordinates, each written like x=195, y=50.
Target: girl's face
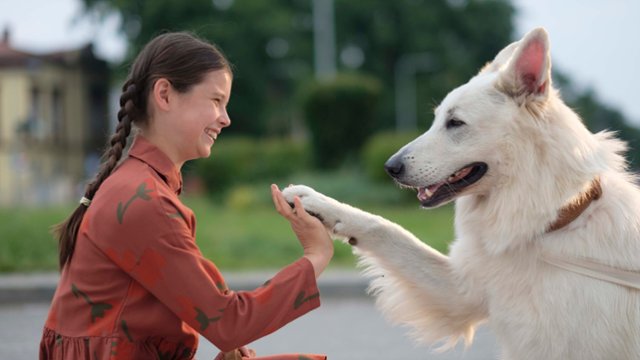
x=197, y=117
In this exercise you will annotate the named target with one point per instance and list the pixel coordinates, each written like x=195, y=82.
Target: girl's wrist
x=318, y=261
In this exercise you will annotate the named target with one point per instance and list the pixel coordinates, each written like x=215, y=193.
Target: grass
x=259, y=237
x=25, y=241
x=239, y=229
x=234, y=237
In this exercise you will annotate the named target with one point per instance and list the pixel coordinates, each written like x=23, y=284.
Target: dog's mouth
x=445, y=191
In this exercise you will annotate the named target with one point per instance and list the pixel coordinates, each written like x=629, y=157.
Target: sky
x=593, y=41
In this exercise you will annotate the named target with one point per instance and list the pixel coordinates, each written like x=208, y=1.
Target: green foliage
x=598, y=116
x=246, y=31
x=352, y=187
x=239, y=160
x=27, y=244
x=243, y=197
x=258, y=237
x=459, y=37
x=271, y=45
x=340, y=115
x=379, y=149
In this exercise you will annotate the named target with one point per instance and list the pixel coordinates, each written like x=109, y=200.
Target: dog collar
x=571, y=211
x=584, y=266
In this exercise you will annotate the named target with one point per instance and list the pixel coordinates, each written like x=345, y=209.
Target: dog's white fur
x=540, y=156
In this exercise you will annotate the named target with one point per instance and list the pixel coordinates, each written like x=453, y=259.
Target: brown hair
x=182, y=59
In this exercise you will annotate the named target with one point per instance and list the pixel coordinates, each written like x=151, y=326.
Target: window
x=1, y=115
x=58, y=122
x=34, y=126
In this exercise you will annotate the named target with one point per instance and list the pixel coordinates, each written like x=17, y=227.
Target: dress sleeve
x=158, y=250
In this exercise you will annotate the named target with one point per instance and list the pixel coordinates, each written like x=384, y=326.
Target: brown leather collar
x=572, y=210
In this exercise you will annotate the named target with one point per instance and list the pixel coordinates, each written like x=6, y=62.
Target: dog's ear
x=528, y=72
x=501, y=59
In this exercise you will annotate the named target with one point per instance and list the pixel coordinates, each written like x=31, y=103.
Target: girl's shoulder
x=137, y=207
x=135, y=190
x=133, y=177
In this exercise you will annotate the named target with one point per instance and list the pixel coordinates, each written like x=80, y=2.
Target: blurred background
x=324, y=92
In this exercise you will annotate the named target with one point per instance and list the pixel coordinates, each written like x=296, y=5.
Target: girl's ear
x=160, y=94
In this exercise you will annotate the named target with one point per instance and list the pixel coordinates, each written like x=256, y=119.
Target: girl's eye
x=454, y=123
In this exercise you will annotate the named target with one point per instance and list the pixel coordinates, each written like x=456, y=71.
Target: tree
x=270, y=44
x=460, y=36
x=340, y=116
x=266, y=41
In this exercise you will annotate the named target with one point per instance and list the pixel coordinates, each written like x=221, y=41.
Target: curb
x=31, y=287
x=16, y=288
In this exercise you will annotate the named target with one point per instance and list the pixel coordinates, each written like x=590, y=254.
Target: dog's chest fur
x=531, y=303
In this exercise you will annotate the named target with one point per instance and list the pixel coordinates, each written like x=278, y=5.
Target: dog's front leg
x=374, y=236
x=413, y=283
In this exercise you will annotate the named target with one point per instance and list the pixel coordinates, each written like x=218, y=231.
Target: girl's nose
x=224, y=120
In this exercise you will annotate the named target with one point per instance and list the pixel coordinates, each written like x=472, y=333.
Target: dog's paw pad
x=318, y=216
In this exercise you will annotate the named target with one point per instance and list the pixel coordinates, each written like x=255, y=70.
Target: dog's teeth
x=426, y=192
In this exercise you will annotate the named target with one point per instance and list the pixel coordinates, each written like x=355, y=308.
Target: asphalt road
x=342, y=328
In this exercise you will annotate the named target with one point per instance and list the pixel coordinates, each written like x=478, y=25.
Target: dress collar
x=145, y=151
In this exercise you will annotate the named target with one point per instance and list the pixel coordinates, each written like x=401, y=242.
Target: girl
x=134, y=284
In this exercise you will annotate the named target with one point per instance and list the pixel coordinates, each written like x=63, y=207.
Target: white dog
x=547, y=223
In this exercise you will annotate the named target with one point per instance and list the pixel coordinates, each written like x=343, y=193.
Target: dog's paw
x=316, y=204
x=300, y=191
x=343, y=221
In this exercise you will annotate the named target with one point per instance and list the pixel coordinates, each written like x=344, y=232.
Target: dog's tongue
x=460, y=174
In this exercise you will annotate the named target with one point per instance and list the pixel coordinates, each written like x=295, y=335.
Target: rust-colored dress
x=137, y=286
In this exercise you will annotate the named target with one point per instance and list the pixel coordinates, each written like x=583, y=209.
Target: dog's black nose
x=394, y=167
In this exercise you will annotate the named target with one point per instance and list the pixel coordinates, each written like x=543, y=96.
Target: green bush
x=340, y=115
x=379, y=149
x=242, y=160
x=352, y=186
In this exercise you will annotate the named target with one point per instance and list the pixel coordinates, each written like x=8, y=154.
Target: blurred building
x=53, y=122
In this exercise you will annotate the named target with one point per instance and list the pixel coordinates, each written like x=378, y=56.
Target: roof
x=12, y=57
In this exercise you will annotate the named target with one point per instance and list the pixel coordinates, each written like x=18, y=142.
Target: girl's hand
x=237, y=354
x=314, y=238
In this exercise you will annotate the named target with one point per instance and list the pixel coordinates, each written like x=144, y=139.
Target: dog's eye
x=454, y=123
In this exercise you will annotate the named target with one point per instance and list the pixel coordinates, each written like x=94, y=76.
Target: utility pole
x=406, y=70
x=324, y=42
